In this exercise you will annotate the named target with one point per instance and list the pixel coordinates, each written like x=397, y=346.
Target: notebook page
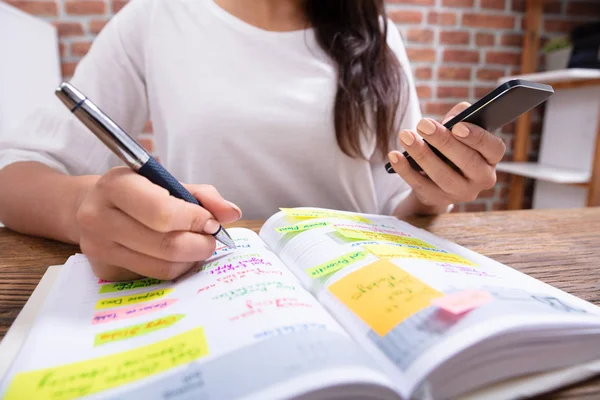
x=241, y=317
x=381, y=278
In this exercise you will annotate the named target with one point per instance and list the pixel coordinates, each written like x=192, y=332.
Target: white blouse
x=246, y=110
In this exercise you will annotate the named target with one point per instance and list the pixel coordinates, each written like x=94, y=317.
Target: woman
x=265, y=103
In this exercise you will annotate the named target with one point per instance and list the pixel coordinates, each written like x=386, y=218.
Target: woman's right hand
x=131, y=228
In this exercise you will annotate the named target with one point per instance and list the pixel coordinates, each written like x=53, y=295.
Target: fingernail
x=426, y=126
x=407, y=138
x=393, y=157
x=461, y=130
x=448, y=118
x=235, y=207
x=211, y=226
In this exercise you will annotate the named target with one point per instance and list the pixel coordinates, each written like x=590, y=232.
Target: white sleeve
x=112, y=76
x=390, y=188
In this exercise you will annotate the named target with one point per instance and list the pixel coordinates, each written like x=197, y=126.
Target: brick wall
x=458, y=49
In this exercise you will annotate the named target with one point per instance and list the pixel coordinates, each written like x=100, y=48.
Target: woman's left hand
x=472, y=149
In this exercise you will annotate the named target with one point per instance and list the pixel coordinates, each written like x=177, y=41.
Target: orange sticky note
x=383, y=295
x=458, y=303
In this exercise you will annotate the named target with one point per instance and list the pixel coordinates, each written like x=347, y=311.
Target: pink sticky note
x=460, y=302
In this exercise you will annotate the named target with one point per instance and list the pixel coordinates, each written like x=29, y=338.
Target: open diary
x=320, y=304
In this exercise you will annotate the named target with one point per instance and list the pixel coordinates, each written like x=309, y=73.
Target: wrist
x=79, y=188
x=425, y=209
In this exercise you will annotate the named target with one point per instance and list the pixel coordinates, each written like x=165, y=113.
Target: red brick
x=458, y=3
x=68, y=68
x=454, y=37
x=481, y=91
x=423, y=92
x=413, y=2
x=80, y=48
x=494, y=4
x=147, y=144
x=85, y=7
x=502, y=177
x=117, y=5
x=484, y=39
x=452, y=92
x=62, y=50
x=68, y=28
x=96, y=25
x=475, y=207
x=500, y=205
x=454, y=73
x=148, y=128
x=503, y=58
x=418, y=54
x=511, y=40
x=441, y=18
x=509, y=128
x=418, y=35
x=486, y=74
x=405, y=16
x=42, y=8
x=583, y=8
x=423, y=73
x=463, y=56
x=488, y=21
x=438, y=108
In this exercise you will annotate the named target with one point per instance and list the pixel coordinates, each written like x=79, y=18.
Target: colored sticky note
x=383, y=295
x=130, y=312
x=369, y=235
x=92, y=376
x=460, y=302
x=132, y=299
x=389, y=251
x=136, y=330
x=120, y=286
x=308, y=213
x=303, y=226
x=336, y=264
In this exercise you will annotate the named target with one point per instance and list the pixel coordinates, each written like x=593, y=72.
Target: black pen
x=127, y=149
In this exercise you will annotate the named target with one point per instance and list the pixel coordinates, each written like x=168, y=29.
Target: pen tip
x=223, y=237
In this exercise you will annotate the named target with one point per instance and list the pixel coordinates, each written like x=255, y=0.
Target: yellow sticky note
x=336, y=264
x=388, y=251
x=309, y=213
x=132, y=299
x=369, y=235
x=136, y=330
x=121, y=286
x=303, y=226
x=383, y=295
x=92, y=376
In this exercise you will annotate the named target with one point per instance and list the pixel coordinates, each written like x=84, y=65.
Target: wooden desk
x=559, y=247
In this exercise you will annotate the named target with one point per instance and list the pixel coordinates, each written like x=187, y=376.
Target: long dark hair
x=353, y=33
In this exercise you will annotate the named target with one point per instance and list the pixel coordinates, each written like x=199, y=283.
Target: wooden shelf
x=561, y=79
x=547, y=173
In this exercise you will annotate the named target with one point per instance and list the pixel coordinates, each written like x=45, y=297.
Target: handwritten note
x=130, y=312
x=461, y=269
x=303, y=226
x=132, y=299
x=120, y=286
x=460, y=302
x=368, y=235
x=92, y=376
x=220, y=267
x=258, y=307
x=309, y=213
x=389, y=251
x=257, y=287
x=136, y=330
x=383, y=295
x=289, y=329
x=336, y=264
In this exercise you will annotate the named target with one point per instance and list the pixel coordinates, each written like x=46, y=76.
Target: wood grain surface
x=559, y=247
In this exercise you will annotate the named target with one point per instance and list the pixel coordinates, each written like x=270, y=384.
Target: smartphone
x=496, y=109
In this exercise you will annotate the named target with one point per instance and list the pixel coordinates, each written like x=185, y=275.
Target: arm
x=52, y=159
